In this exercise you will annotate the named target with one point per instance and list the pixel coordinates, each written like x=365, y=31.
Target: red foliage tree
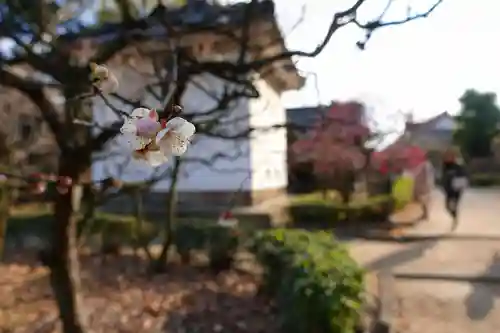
x=335, y=147
x=401, y=157
x=398, y=157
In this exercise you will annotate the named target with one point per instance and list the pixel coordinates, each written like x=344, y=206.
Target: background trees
x=336, y=147
x=477, y=123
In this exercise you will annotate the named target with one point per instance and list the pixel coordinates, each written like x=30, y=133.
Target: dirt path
x=473, y=250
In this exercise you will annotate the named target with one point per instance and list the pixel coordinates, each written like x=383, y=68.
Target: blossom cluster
x=151, y=140
x=154, y=141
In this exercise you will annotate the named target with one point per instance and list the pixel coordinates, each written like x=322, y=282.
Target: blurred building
x=27, y=136
x=244, y=170
x=434, y=135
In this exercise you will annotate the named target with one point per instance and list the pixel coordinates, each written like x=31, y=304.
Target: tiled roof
x=197, y=16
x=305, y=117
x=347, y=112
x=428, y=122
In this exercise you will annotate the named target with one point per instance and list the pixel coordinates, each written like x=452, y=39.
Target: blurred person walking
x=425, y=181
x=454, y=179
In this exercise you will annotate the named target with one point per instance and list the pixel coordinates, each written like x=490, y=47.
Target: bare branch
x=373, y=25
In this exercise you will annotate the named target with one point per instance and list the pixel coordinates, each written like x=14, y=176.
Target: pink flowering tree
x=335, y=147
x=401, y=157
x=398, y=157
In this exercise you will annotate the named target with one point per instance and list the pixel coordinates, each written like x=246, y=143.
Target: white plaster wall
x=229, y=173
x=268, y=147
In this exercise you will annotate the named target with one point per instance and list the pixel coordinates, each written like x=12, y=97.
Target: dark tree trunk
x=64, y=264
x=75, y=163
x=62, y=257
x=346, y=181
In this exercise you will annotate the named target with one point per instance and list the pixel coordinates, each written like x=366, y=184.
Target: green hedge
x=326, y=212
x=484, y=180
x=116, y=229
x=318, y=287
x=220, y=243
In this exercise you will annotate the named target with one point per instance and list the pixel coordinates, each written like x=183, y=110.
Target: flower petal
x=181, y=127
x=187, y=130
x=156, y=158
x=140, y=113
x=153, y=114
x=161, y=134
x=172, y=144
x=136, y=142
x=147, y=127
x=129, y=127
x=179, y=148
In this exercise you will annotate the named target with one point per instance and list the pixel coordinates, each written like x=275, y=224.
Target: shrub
x=318, y=287
x=223, y=243
x=117, y=230
x=314, y=210
x=220, y=243
x=484, y=180
x=315, y=214
x=189, y=237
x=113, y=230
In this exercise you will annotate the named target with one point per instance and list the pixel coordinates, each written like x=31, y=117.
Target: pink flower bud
x=147, y=127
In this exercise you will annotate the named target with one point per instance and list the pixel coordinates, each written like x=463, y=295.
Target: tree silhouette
x=478, y=123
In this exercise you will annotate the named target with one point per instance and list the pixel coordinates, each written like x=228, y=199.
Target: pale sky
x=422, y=66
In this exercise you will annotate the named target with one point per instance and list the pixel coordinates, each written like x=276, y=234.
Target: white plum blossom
x=152, y=157
x=103, y=79
x=153, y=141
x=141, y=128
x=176, y=136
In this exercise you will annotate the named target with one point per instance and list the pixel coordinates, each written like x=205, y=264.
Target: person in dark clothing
x=454, y=180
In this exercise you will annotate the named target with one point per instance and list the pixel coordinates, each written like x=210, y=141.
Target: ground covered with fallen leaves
x=119, y=297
